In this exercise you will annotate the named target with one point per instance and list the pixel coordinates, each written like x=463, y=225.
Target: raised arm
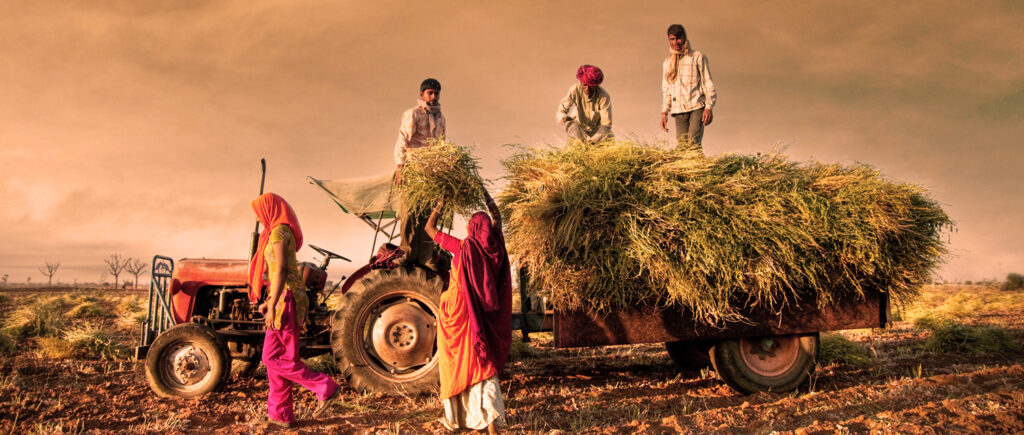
x=493, y=208
x=431, y=226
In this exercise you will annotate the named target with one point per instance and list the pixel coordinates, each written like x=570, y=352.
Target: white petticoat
x=476, y=407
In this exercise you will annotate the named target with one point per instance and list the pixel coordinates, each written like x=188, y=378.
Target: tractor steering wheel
x=327, y=254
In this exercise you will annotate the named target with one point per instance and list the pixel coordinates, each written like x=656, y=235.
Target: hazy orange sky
x=137, y=127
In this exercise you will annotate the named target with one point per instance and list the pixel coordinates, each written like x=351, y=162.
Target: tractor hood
x=216, y=272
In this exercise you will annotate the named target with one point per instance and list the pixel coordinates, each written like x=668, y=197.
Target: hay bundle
x=608, y=226
x=441, y=170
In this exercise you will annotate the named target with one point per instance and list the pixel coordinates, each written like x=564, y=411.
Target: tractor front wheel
x=187, y=360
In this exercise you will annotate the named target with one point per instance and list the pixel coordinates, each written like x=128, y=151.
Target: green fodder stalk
x=441, y=170
x=619, y=223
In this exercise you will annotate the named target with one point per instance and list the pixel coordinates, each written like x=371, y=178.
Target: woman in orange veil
x=284, y=310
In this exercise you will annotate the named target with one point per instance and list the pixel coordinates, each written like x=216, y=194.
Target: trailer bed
x=645, y=324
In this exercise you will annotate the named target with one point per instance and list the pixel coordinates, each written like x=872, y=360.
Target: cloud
x=138, y=126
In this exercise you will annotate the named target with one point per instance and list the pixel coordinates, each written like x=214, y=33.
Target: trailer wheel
x=690, y=355
x=751, y=365
x=385, y=337
x=187, y=360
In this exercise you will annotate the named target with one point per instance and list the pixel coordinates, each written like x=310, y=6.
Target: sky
x=137, y=127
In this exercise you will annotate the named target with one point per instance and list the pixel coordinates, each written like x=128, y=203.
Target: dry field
x=952, y=364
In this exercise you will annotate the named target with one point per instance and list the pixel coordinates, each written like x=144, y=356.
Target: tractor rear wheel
x=187, y=360
x=690, y=355
x=779, y=363
x=384, y=337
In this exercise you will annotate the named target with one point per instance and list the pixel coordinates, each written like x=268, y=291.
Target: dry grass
x=41, y=318
x=86, y=310
x=322, y=363
x=89, y=339
x=7, y=343
x=53, y=348
x=606, y=226
x=835, y=348
x=960, y=303
x=951, y=336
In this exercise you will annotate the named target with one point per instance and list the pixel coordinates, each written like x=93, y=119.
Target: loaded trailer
x=202, y=328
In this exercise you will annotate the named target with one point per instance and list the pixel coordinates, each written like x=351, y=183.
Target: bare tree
x=136, y=267
x=49, y=271
x=4, y=278
x=115, y=265
x=28, y=280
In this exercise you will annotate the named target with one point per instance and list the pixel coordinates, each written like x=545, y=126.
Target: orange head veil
x=271, y=210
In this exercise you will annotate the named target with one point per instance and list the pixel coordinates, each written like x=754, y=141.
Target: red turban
x=590, y=75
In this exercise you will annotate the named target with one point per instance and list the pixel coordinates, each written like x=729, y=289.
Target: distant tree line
x=117, y=265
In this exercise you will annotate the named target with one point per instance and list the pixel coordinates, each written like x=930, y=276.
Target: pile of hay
x=612, y=225
x=441, y=170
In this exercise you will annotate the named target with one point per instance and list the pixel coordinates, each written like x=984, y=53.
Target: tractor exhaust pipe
x=254, y=238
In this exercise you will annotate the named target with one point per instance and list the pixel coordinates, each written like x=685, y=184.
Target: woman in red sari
x=475, y=323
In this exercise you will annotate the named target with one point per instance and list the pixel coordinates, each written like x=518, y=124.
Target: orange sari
x=459, y=364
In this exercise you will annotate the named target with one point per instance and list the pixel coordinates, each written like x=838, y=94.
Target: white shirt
x=692, y=89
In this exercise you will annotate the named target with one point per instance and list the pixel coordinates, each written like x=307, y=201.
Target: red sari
x=475, y=324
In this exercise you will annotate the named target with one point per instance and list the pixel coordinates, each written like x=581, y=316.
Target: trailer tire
x=187, y=360
x=384, y=337
x=690, y=355
x=751, y=365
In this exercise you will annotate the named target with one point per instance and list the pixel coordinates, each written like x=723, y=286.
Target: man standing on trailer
x=586, y=111
x=688, y=93
x=420, y=125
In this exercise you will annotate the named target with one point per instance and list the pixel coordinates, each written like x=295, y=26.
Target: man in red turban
x=586, y=111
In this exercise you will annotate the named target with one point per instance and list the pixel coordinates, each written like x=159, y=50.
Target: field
x=951, y=363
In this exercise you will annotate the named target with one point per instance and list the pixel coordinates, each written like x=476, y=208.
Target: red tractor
x=202, y=328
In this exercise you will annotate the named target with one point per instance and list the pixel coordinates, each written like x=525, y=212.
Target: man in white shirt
x=688, y=94
x=420, y=125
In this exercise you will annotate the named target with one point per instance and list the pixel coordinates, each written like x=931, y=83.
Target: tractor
x=201, y=328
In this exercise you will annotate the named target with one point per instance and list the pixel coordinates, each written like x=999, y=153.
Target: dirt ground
x=622, y=389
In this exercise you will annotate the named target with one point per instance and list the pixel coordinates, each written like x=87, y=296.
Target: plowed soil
x=624, y=389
